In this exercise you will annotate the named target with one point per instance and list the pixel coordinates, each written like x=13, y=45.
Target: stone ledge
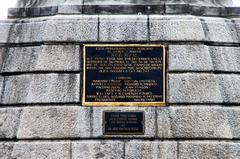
x=198, y=122
x=207, y=149
x=81, y=28
x=119, y=28
x=55, y=122
x=114, y=7
x=41, y=88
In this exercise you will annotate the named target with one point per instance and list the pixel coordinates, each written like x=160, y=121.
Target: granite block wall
x=40, y=88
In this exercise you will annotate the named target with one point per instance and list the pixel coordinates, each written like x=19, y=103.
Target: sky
x=5, y=4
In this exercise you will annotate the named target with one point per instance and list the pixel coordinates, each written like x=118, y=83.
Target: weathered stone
x=230, y=88
x=175, y=28
x=42, y=58
x=55, y=122
x=237, y=25
x=198, y=122
x=1, y=84
x=194, y=88
x=41, y=150
x=41, y=88
x=74, y=28
x=6, y=29
x=97, y=149
x=5, y=150
x=150, y=128
x=189, y=58
x=219, y=30
x=81, y=28
x=225, y=58
x=151, y=150
x=123, y=28
x=70, y=9
x=207, y=149
x=9, y=122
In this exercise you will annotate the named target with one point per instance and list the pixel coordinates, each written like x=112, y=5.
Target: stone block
x=189, y=58
x=61, y=28
x=194, y=88
x=54, y=122
x=42, y=58
x=6, y=150
x=72, y=29
x=198, y=122
x=175, y=28
x=70, y=9
x=42, y=88
x=219, y=30
x=151, y=150
x=150, y=128
x=123, y=28
x=226, y=59
x=41, y=150
x=230, y=88
x=207, y=149
x=9, y=122
x=237, y=25
x=6, y=29
x=97, y=149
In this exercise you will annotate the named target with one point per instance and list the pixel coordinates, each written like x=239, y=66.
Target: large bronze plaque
x=123, y=123
x=124, y=75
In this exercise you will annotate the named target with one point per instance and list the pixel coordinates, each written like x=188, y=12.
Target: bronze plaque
x=123, y=123
x=124, y=75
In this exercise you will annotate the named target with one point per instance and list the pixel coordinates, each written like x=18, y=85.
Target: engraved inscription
x=122, y=123
x=124, y=74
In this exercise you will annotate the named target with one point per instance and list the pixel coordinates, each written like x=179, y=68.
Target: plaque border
x=121, y=133
x=116, y=104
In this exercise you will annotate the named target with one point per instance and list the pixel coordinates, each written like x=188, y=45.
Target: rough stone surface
x=97, y=149
x=189, y=58
x=74, y=28
x=151, y=150
x=194, y=88
x=150, y=128
x=219, y=30
x=167, y=28
x=230, y=88
x=237, y=25
x=225, y=58
x=9, y=122
x=42, y=58
x=198, y=122
x=206, y=150
x=123, y=28
x=2, y=54
x=55, y=122
x=5, y=150
x=41, y=88
x=41, y=150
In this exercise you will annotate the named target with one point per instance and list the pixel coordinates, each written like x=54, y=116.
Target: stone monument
x=153, y=79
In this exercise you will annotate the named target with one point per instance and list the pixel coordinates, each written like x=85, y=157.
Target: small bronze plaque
x=123, y=123
x=124, y=75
